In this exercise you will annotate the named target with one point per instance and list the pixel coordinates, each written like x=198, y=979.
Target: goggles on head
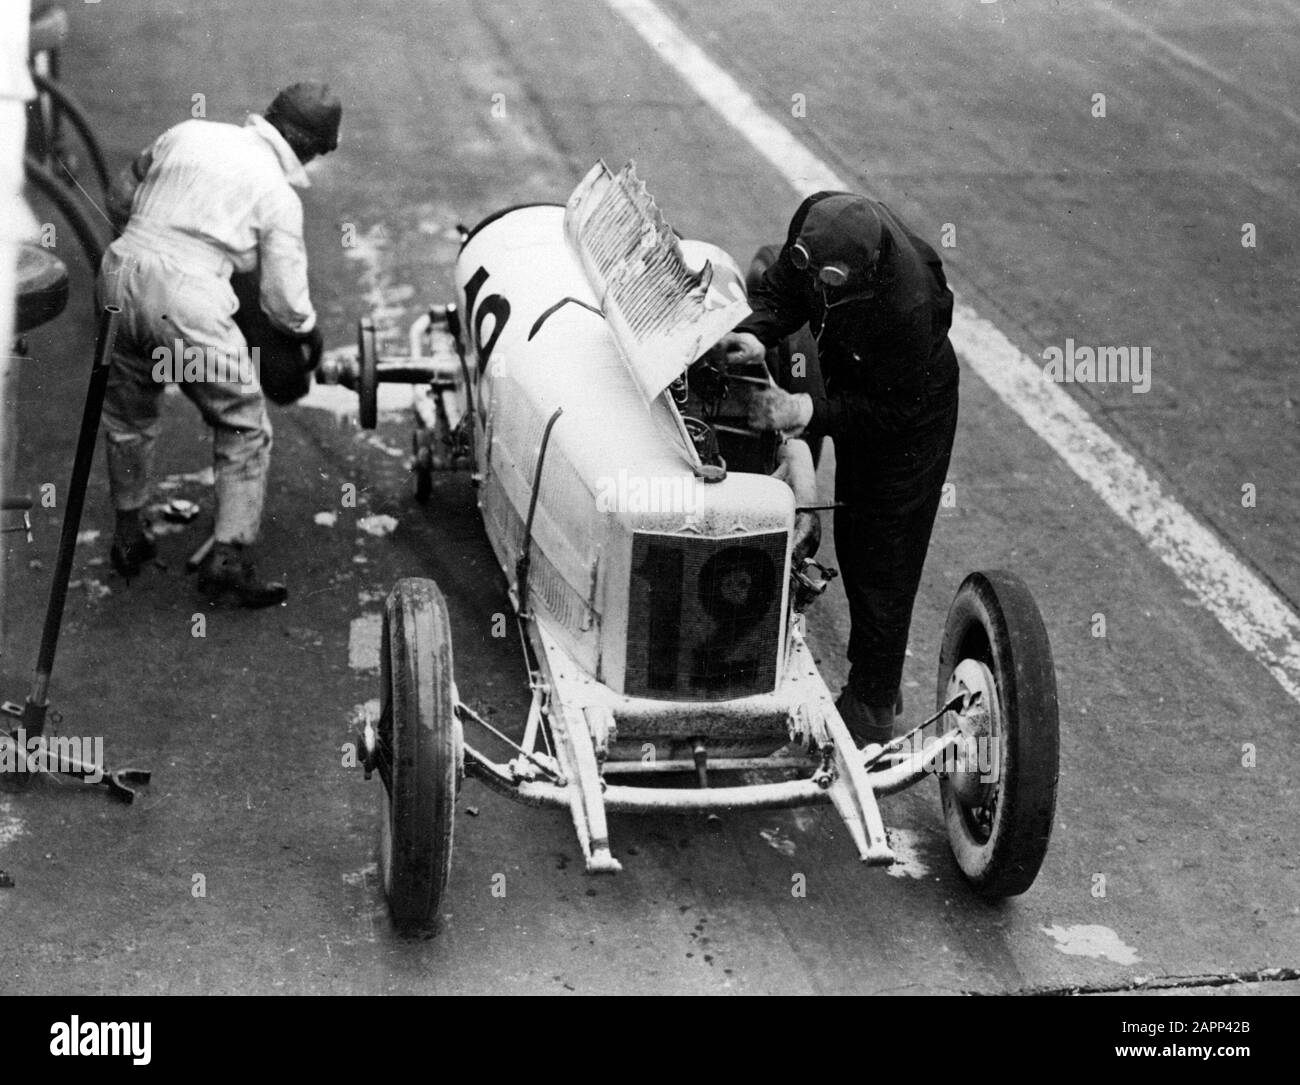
x=835, y=274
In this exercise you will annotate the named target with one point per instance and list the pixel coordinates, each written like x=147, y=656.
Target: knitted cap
x=842, y=229
x=310, y=108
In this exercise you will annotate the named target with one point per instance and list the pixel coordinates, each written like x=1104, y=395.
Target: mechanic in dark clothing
x=875, y=297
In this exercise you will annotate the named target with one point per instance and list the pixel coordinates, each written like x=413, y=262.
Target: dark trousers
x=891, y=491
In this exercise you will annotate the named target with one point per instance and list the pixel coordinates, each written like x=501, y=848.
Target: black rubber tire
x=423, y=485
x=367, y=375
x=422, y=469
x=71, y=207
x=993, y=618
x=68, y=106
x=284, y=371
x=42, y=292
x=422, y=737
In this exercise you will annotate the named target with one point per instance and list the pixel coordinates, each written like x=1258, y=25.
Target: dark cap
x=842, y=229
x=310, y=111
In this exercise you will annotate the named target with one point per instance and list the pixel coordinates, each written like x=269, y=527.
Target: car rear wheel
x=421, y=735
x=998, y=807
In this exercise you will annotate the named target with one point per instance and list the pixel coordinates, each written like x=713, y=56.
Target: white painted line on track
x=1254, y=615
x=768, y=136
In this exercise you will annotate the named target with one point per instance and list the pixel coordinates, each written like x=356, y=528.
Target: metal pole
x=37, y=699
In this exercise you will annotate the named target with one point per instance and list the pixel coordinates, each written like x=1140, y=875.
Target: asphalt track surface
x=1175, y=859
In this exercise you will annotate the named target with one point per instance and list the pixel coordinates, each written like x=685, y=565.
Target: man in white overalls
x=206, y=199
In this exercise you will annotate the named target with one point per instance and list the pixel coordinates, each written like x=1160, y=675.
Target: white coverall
x=212, y=198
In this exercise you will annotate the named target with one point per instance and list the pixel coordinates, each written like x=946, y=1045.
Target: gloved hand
x=121, y=193
x=119, y=198
x=742, y=347
x=776, y=409
x=794, y=467
x=312, y=345
x=807, y=537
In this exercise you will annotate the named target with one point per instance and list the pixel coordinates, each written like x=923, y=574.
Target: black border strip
x=504, y=211
x=537, y=325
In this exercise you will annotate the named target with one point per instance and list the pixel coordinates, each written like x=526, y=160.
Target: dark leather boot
x=228, y=575
x=866, y=723
x=132, y=545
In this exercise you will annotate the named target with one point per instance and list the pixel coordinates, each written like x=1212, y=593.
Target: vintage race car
x=653, y=567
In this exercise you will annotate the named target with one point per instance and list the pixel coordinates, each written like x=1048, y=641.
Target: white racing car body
x=626, y=534
x=652, y=585
x=659, y=585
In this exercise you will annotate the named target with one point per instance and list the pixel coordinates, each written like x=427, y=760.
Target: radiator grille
x=704, y=616
x=663, y=314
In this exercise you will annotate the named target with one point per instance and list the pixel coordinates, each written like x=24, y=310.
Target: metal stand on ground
x=29, y=739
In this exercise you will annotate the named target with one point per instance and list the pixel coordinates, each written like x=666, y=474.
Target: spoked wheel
x=420, y=739
x=998, y=808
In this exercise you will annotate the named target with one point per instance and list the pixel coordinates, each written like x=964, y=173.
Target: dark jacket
x=884, y=355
